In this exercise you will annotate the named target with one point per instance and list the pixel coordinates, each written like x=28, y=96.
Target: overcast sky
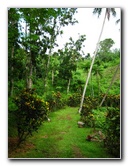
x=90, y=25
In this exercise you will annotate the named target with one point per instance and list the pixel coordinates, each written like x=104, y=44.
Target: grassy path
x=61, y=138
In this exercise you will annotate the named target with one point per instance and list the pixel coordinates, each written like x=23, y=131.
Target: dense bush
x=100, y=117
x=55, y=101
x=90, y=104
x=112, y=131
x=30, y=113
x=106, y=118
x=87, y=116
x=74, y=100
x=111, y=100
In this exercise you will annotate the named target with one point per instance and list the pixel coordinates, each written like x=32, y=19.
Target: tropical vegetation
x=46, y=85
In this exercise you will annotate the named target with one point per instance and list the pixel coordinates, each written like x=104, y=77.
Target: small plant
x=30, y=113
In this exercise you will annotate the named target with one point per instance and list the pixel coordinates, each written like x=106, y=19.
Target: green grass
x=61, y=138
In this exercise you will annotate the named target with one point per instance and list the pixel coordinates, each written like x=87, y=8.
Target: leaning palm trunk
x=86, y=83
x=112, y=81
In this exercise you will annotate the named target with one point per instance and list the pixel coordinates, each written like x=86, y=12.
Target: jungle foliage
x=41, y=80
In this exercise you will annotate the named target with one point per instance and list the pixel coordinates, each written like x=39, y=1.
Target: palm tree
x=107, y=14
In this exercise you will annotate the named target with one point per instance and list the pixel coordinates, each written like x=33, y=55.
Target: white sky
x=90, y=25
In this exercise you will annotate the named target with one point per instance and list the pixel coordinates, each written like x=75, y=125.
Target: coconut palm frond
x=113, y=12
x=97, y=11
x=108, y=12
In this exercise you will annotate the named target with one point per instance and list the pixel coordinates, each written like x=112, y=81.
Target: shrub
x=112, y=131
x=31, y=111
x=87, y=111
x=55, y=101
x=74, y=100
x=111, y=100
x=94, y=116
x=99, y=116
x=107, y=118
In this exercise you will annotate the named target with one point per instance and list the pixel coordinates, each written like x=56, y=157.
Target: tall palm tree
x=107, y=14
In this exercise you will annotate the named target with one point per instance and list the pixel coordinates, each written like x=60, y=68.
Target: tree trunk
x=30, y=74
x=30, y=60
x=112, y=81
x=68, y=85
x=53, y=36
x=12, y=70
x=86, y=83
x=52, y=77
x=47, y=70
x=89, y=84
x=92, y=86
x=98, y=83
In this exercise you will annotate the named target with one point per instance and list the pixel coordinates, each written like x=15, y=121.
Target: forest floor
x=59, y=138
